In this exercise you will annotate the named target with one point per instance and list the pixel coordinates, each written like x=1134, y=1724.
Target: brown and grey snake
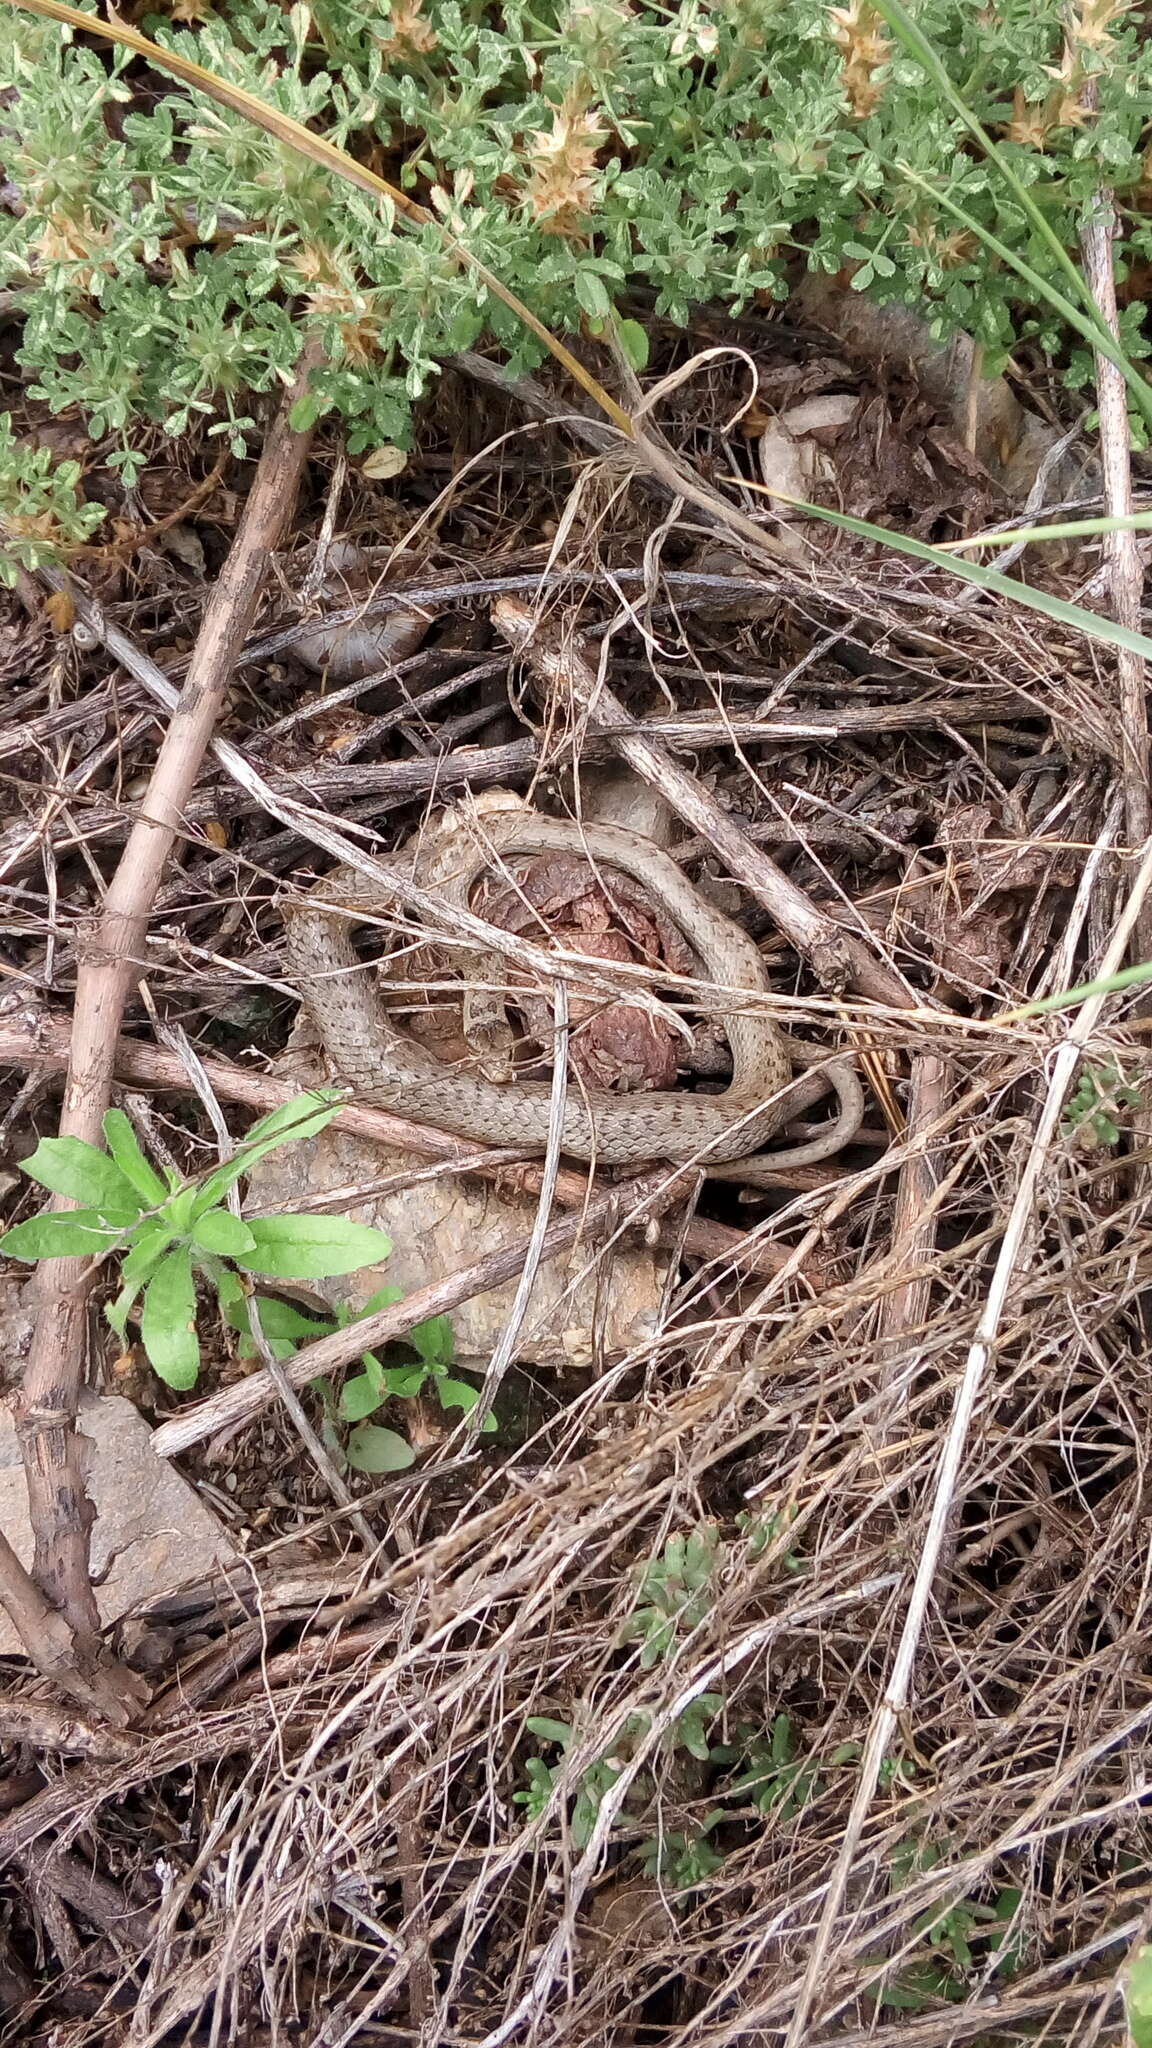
x=387, y=1067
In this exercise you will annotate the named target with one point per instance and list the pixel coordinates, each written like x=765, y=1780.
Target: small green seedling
x=350, y=1436
x=681, y=1861
x=952, y=1935
x=171, y=1231
x=674, y=1593
x=762, y=1531
x=542, y=1779
x=779, y=1781
x=1091, y=1115
x=688, y=1731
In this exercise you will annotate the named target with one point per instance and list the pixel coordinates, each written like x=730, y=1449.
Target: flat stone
x=152, y=1533
x=586, y=1310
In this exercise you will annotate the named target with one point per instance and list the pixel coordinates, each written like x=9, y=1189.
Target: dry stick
x=836, y=956
x=1121, y=549
x=915, y=1217
x=43, y=1042
x=502, y=1356
x=394, y=783
x=61, y=1513
x=887, y=1717
x=233, y=1406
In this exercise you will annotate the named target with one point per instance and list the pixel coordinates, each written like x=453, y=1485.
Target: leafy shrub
x=166, y=251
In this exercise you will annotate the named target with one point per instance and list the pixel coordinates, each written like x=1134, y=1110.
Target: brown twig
x=60, y=1511
x=40, y=1723
x=837, y=956
x=43, y=1042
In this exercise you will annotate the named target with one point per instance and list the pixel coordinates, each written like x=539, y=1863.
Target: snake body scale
x=386, y=1067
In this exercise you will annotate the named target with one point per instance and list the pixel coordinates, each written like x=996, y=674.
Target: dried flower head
x=335, y=296
x=562, y=190
x=1032, y=121
x=411, y=35
x=858, y=30
x=1090, y=22
x=76, y=242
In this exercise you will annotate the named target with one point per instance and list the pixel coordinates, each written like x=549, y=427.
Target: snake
x=386, y=1067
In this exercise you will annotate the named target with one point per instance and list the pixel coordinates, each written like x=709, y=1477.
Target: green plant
x=43, y=512
x=350, y=1436
x=763, y=1530
x=688, y=1732
x=680, y=1860
x=171, y=1231
x=1138, y=1997
x=779, y=1781
x=959, y=1938
x=674, y=1593
x=166, y=250
x=1090, y=1115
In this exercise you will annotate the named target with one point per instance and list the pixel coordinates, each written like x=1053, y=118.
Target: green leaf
x=219, y=1231
x=124, y=1146
x=181, y=1208
x=458, y=1394
x=434, y=1341
x=384, y=1297
x=168, y=1324
x=301, y=1118
x=306, y=412
x=372, y=1449
x=279, y=1320
x=1138, y=1997
x=149, y=1242
x=311, y=1247
x=592, y=295
x=68, y=1166
x=361, y=1396
x=148, y=1248
x=403, y=1381
x=58, y=1234
x=548, y=1730
x=633, y=340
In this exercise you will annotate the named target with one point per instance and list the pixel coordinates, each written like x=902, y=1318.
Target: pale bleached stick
x=887, y=1716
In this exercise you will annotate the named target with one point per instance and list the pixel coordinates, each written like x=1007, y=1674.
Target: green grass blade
x=1092, y=331
x=1106, y=631
x=1068, y=998
x=1068, y=529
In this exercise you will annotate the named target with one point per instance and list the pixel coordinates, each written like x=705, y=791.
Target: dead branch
x=836, y=955
x=42, y=1042
x=60, y=1511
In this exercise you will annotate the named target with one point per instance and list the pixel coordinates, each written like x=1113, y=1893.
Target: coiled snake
x=387, y=1067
